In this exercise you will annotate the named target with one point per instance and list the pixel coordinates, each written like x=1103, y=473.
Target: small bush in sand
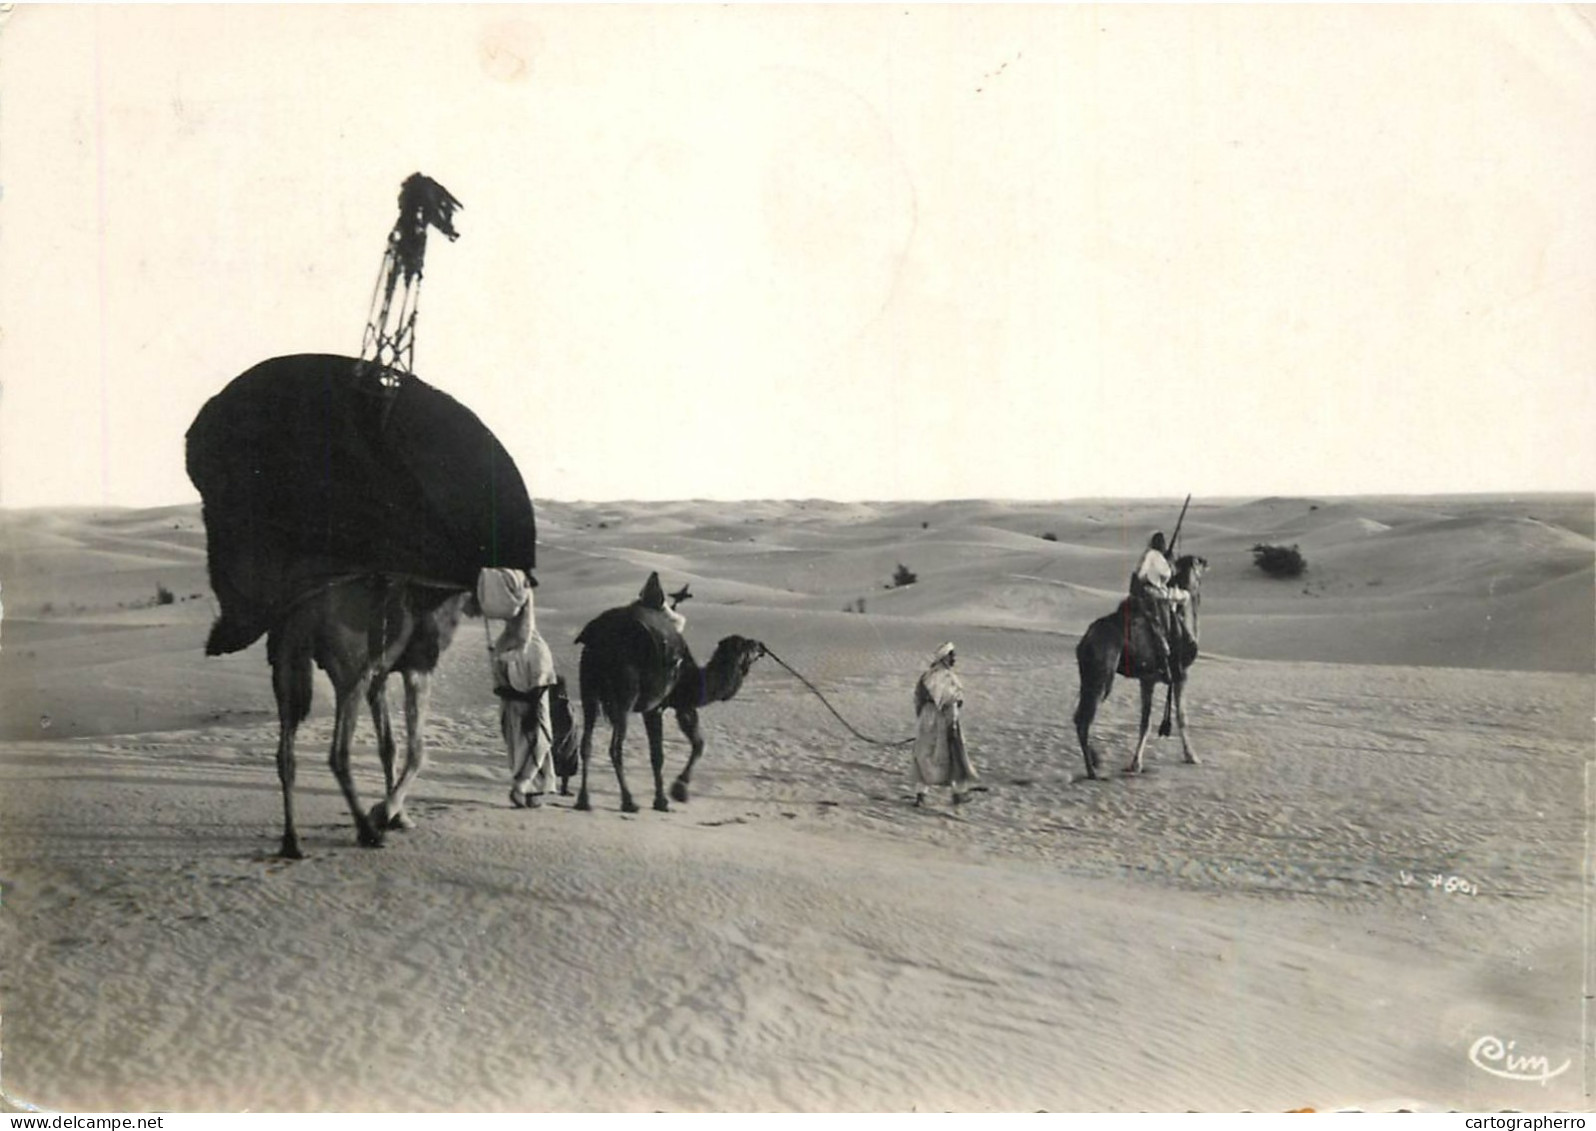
x=1279, y=561
x=1050, y=537
x=903, y=576
x=163, y=595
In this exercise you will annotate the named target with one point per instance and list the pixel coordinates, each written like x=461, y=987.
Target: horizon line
x=1207, y=500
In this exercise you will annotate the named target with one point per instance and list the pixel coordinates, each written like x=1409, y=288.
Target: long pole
x=1175, y=539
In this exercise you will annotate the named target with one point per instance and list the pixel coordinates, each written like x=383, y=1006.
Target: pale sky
x=843, y=252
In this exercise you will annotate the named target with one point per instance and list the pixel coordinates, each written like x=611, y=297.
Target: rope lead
x=833, y=710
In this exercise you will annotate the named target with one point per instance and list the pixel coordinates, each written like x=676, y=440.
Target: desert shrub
x=163, y=595
x=1050, y=537
x=1279, y=561
x=902, y=576
x=925, y=526
x=854, y=606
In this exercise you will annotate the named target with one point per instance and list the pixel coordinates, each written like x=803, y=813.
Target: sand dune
x=1271, y=929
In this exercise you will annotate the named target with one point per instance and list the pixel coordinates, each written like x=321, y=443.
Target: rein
x=856, y=733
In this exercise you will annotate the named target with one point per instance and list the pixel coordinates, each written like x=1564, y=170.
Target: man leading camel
x=940, y=757
x=1152, y=594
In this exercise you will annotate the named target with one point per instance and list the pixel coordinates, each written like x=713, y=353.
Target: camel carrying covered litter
x=349, y=509
x=313, y=466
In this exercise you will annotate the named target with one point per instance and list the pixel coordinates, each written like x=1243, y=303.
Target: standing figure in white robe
x=939, y=754
x=523, y=676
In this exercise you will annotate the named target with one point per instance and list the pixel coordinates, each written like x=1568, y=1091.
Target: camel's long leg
x=289, y=652
x=343, y=734
x=1148, y=687
x=617, y=745
x=1180, y=721
x=589, y=718
x=1085, y=712
x=291, y=684
x=418, y=693
x=285, y=774
x=687, y=720
x=654, y=727
x=377, y=701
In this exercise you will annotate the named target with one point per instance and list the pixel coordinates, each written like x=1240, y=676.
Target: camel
x=1121, y=643
x=635, y=661
x=359, y=630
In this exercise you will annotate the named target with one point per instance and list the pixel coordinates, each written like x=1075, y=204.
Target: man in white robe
x=523, y=674
x=939, y=754
x=1158, y=600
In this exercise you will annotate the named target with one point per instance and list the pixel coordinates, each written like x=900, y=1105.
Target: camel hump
x=647, y=634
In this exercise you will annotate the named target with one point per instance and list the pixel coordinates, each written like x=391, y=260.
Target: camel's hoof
x=565, y=788
x=1191, y=760
x=679, y=791
x=380, y=818
x=371, y=838
x=583, y=804
x=661, y=805
x=290, y=850
x=628, y=806
x=1133, y=771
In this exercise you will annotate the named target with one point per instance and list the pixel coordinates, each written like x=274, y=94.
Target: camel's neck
x=720, y=680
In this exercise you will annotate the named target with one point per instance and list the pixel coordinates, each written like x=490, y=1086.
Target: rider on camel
x=1153, y=595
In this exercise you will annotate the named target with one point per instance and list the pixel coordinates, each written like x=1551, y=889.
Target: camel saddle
x=1139, y=631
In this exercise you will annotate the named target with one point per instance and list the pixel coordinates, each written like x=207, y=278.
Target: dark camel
x=634, y=661
x=359, y=630
x=1122, y=644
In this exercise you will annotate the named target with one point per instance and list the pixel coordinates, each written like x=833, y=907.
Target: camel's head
x=1189, y=570
x=742, y=648
x=738, y=651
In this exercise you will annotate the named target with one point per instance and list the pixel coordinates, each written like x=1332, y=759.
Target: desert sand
x=1380, y=865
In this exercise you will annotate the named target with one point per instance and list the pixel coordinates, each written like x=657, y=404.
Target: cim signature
x=1490, y=1054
